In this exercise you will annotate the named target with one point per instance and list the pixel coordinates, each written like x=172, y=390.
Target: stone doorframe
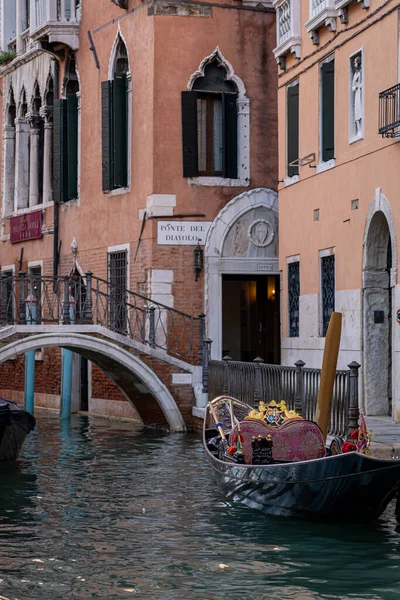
x=378, y=288
x=216, y=265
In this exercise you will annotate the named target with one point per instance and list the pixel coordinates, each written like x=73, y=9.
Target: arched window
x=209, y=118
x=114, y=97
x=9, y=156
x=66, y=136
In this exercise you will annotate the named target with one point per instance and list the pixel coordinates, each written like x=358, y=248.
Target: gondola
x=15, y=425
x=300, y=477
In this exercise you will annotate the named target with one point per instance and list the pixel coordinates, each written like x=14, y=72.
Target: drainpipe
x=56, y=205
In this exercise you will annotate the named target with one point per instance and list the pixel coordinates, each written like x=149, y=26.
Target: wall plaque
x=265, y=267
x=26, y=227
x=182, y=233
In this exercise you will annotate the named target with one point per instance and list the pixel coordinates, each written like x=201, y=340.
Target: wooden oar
x=328, y=372
x=217, y=423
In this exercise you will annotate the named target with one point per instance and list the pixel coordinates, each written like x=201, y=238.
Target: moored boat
x=301, y=477
x=15, y=425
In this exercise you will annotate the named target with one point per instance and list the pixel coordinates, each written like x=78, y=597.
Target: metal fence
x=34, y=299
x=297, y=385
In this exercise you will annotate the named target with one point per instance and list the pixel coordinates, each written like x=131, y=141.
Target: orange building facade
x=131, y=133
x=338, y=106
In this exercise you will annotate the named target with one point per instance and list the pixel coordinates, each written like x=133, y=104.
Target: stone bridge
x=150, y=351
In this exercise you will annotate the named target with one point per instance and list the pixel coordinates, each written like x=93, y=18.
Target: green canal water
x=100, y=509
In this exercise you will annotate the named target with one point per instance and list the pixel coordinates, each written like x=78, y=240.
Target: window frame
x=290, y=261
x=325, y=164
x=329, y=252
x=209, y=97
x=291, y=176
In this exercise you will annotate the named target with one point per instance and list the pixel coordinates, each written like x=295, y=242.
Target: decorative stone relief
x=253, y=234
x=261, y=233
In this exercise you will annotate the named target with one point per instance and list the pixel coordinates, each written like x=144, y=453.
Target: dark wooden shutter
x=189, y=134
x=292, y=128
x=120, y=136
x=106, y=135
x=230, y=135
x=72, y=120
x=59, y=151
x=328, y=110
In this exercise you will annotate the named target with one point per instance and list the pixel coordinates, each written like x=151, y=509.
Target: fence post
x=257, y=380
x=226, y=388
x=206, y=361
x=202, y=324
x=152, y=329
x=22, y=301
x=66, y=316
x=354, y=411
x=298, y=400
x=88, y=308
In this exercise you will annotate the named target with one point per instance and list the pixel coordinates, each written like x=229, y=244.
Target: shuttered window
x=209, y=134
x=65, y=149
x=114, y=107
x=328, y=110
x=292, y=128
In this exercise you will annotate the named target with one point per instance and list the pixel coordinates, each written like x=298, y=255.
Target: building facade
x=339, y=212
x=132, y=134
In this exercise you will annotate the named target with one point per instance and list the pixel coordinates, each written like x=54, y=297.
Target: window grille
x=35, y=288
x=294, y=296
x=327, y=290
x=7, y=296
x=117, y=279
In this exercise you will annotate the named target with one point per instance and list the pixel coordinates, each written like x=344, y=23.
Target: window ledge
x=118, y=191
x=356, y=138
x=26, y=211
x=218, y=181
x=69, y=204
x=290, y=180
x=325, y=166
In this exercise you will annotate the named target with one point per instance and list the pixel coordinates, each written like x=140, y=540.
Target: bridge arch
x=124, y=368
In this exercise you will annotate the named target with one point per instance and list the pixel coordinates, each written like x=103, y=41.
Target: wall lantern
x=198, y=261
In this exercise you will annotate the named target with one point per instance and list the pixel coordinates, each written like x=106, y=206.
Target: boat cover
x=11, y=414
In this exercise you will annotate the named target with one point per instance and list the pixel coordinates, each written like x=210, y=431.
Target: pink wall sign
x=26, y=227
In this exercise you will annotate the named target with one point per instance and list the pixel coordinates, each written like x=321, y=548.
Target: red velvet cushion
x=294, y=440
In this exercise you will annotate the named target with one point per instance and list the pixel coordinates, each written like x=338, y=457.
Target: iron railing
x=91, y=300
x=389, y=112
x=297, y=385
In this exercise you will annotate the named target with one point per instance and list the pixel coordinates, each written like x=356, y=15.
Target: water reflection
x=99, y=509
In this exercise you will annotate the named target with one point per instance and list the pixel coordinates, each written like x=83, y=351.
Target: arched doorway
x=379, y=278
x=242, y=278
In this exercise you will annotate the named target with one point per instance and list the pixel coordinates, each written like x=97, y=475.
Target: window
x=35, y=288
x=7, y=297
x=209, y=125
x=328, y=110
x=65, y=138
x=294, y=297
x=117, y=279
x=292, y=142
x=9, y=156
x=327, y=290
x=114, y=107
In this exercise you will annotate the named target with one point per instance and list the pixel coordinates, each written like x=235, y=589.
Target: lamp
x=198, y=261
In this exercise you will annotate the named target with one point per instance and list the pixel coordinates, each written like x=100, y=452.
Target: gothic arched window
x=114, y=97
x=209, y=124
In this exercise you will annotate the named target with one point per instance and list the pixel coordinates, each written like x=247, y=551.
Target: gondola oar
x=328, y=372
x=218, y=425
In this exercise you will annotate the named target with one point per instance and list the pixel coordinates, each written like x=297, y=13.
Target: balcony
x=56, y=20
x=287, y=30
x=389, y=112
x=322, y=14
x=342, y=7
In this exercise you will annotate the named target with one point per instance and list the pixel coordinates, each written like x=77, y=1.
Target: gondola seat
x=294, y=440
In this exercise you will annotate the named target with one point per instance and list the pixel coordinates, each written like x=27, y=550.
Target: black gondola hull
x=343, y=487
x=15, y=425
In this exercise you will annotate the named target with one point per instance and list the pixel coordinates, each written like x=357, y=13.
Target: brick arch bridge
x=152, y=352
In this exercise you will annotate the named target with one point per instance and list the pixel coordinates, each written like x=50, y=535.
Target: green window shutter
x=230, y=134
x=189, y=134
x=107, y=135
x=59, y=151
x=328, y=110
x=72, y=120
x=120, y=134
x=292, y=128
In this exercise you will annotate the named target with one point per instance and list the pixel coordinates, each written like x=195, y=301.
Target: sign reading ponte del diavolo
x=182, y=233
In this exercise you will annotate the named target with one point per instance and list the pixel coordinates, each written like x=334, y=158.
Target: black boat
x=15, y=425
x=343, y=486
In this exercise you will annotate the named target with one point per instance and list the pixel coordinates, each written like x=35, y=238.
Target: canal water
x=102, y=509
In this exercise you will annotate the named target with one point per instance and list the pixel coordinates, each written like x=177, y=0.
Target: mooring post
x=66, y=379
x=226, y=384
x=88, y=306
x=29, y=393
x=298, y=399
x=21, y=304
x=354, y=411
x=257, y=380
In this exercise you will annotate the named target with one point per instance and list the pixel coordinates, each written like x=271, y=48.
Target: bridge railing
x=35, y=299
x=297, y=385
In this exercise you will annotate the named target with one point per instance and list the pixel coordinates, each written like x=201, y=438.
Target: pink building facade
x=131, y=133
x=339, y=185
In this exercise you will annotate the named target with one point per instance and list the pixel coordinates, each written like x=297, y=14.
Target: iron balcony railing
x=389, y=112
x=32, y=300
x=297, y=385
